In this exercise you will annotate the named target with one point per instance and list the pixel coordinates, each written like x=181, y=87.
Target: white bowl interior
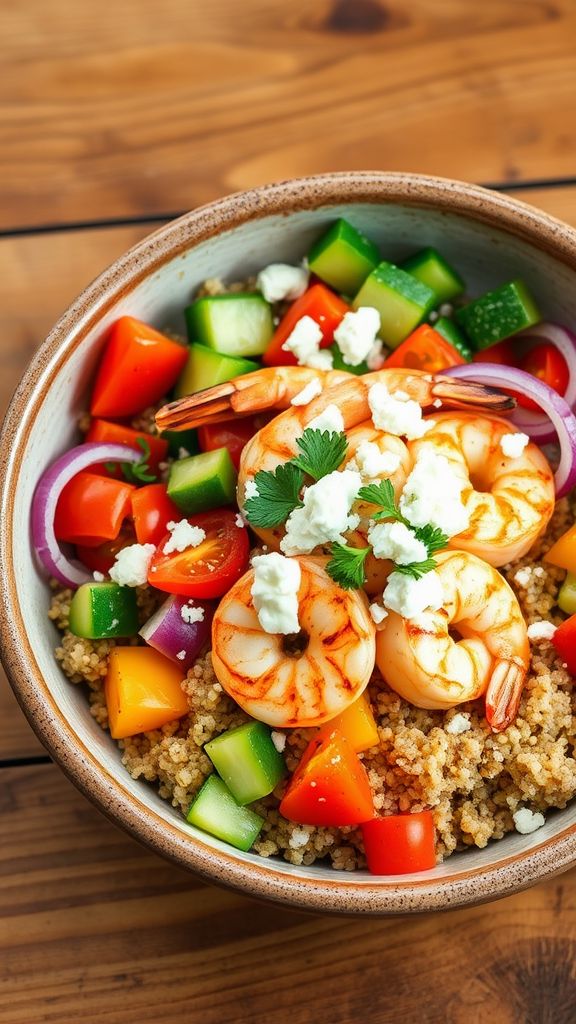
x=485, y=256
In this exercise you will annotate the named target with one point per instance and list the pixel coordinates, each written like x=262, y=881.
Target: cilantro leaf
x=346, y=567
x=322, y=451
x=433, y=537
x=139, y=472
x=278, y=496
x=382, y=494
x=416, y=569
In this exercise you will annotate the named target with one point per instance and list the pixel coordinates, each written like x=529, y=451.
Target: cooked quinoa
x=472, y=780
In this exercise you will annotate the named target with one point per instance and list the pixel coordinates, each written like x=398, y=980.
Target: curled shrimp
x=423, y=662
x=509, y=500
x=303, y=679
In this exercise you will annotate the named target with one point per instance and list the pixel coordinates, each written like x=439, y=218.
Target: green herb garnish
x=382, y=494
x=278, y=496
x=416, y=569
x=346, y=567
x=322, y=451
x=135, y=472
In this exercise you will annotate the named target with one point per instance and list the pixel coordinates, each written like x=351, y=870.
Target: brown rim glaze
x=343, y=895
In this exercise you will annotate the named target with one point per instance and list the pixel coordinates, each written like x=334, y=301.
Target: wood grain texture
x=94, y=928
x=141, y=112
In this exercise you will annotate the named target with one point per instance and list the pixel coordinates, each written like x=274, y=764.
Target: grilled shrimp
x=509, y=500
x=420, y=659
x=305, y=678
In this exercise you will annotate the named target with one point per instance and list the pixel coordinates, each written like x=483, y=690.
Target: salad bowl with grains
x=297, y=606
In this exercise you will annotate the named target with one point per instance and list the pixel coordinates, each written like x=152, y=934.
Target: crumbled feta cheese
x=98, y=576
x=298, y=839
x=280, y=281
x=541, y=630
x=409, y=597
x=437, y=403
x=539, y=571
x=181, y=655
x=356, y=334
x=183, y=453
x=191, y=614
x=394, y=414
x=372, y=463
x=330, y=419
x=513, y=445
x=250, y=490
x=375, y=358
x=432, y=495
x=397, y=542
x=114, y=623
x=275, y=592
x=239, y=521
x=304, y=343
x=433, y=317
x=527, y=821
x=279, y=740
x=459, y=724
x=131, y=565
x=446, y=309
x=325, y=514
x=377, y=613
x=523, y=576
x=312, y=390
x=183, y=535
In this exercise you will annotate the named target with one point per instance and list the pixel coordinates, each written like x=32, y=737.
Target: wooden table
x=114, y=117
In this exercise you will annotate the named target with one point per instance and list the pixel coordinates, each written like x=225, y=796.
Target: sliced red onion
x=173, y=636
x=49, y=489
x=536, y=425
x=551, y=403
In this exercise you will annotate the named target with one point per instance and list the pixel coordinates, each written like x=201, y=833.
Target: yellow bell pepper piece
x=357, y=724
x=142, y=691
x=563, y=552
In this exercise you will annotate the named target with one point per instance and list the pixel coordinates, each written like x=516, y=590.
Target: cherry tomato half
x=502, y=353
x=152, y=510
x=548, y=364
x=230, y=434
x=210, y=568
x=399, y=843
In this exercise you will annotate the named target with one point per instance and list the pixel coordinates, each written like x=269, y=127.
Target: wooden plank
x=133, y=114
x=94, y=928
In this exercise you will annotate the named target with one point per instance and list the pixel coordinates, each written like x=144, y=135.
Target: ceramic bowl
x=490, y=238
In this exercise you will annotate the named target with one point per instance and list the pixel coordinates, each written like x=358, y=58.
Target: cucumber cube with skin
x=452, y=334
x=237, y=324
x=202, y=482
x=178, y=439
x=401, y=300
x=343, y=257
x=567, y=595
x=205, y=368
x=339, y=364
x=429, y=267
x=247, y=760
x=214, y=810
x=102, y=610
x=498, y=314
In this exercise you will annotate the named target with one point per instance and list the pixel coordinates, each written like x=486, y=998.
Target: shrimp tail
x=473, y=394
x=503, y=694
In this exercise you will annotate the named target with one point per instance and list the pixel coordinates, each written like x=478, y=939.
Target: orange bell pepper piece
x=357, y=725
x=91, y=509
x=117, y=433
x=330, y=785
x=321, y=305
x=424, y=349
x=563, y=552
x=142, y=691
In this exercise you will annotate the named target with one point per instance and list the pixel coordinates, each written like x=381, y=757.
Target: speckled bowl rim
x=340, y=894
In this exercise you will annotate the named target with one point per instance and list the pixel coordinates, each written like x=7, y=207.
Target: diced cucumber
x=205, y=368
x=567, y=595
x=452, y=333
x=343, y=257
x=239, y=324
x=401, y=300
x=429, y=267
x=339, y=364
x=203, y=481
x=177, y=439
x=101, y=610
x=498, y=314
x=214, y=810
x=247, y=760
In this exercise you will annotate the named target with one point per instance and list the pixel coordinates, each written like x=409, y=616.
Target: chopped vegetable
x=563, y=552
x=91, y=509
x=155, y=448
x=179, y=441
x=564, y=641
x=143, y=691
x=425, y=349
x=214, y=810
x=498, y=314
x=502, y=353
x=152, y=510
x=209, y=569
x=318, y=303
x=138, y=367
x=205, y=367
x=339, y=364
x=401, y=300
x=230, y=434
x=548, y=364
x=400, y=844
x=179, y=629
x=100, y=610
x=454, y=336
x=567, y=595
x=202, y=482
x=247, y=760
x=357, y=724
x=102, y=558
x=343, y=257
x=235, y=324
x=429, y=267
x=330, y=785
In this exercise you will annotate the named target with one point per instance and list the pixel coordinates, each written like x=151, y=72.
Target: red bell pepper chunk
x=102, y=558
x=91, y=509
x=501, y=353
x=330, y=785
x=319, y=303
x=117, y=433
x=138, y=367
x=425, y=349
x=564, y=641
x=400, y=843
x=152, y=510
x=230, y=434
